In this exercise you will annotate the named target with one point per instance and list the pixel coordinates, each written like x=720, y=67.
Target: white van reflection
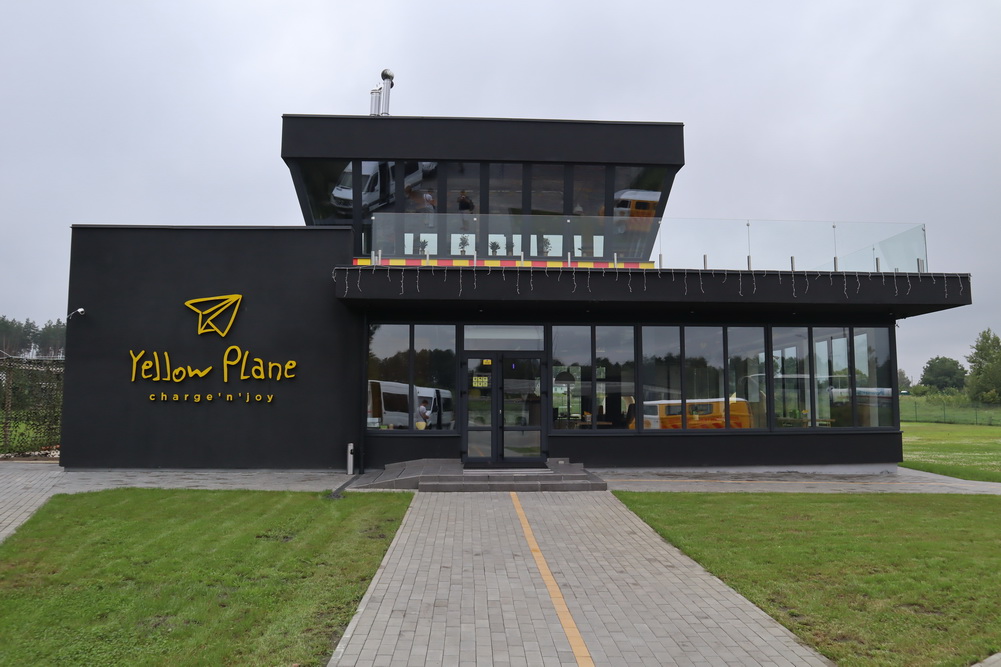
x=390, y=405
x=377, y=185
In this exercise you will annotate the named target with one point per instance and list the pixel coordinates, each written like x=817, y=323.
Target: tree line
x=981, y=382
x=27, y=339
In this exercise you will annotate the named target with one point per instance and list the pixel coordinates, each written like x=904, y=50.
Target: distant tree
x=943, y=372
x=903, y=382
x=19, y=339
x=984, y=382
x=14, y=339
x=51, y=339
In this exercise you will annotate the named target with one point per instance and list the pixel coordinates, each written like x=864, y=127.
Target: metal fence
x=948, y=411
x=31, y=398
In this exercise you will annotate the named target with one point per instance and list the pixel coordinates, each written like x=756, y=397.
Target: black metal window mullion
x=567, y=190
x=811, y=377
x=637, y=379
x=484, y=203
x=770, y=379
x=568, y=230
x=852, y=384
x=441, y=196
x=683, y=383
x=594, y=379
x=609, y=206
x=891, y=335
x=356, y=208
x=726, y=378
x=410, y=379
x=400, y=187
x=526, y=188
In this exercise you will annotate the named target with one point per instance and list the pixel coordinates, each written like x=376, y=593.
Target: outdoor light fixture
x=78, y=311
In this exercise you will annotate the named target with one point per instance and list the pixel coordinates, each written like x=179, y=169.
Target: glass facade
x=571, y=374
x=411, y=377
x=634, y=379
x=747, y=389
x=832, y=377
x=661, y=377
x=492, y=209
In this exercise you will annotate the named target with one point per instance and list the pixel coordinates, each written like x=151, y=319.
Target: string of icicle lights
x=799, y=282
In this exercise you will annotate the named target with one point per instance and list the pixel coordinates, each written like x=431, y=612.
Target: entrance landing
x=439, y=475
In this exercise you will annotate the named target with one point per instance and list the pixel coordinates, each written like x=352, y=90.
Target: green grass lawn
x=176, y=577
x=957, y=450
x=873, y=579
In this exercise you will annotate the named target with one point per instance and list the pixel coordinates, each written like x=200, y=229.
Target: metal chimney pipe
x=376, y=101
x=387, y=76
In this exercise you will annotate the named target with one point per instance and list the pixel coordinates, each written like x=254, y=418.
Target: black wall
x=133, y=284
x=816, y=447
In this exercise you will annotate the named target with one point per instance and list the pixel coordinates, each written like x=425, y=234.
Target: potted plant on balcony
x=463, y=244
x=422, y=247
x=509, y=246
x=545, y=245
x=494, y=247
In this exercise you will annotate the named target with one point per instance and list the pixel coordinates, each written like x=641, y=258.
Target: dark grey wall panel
x=133, y=284
x=813, y=447
x=482, y=139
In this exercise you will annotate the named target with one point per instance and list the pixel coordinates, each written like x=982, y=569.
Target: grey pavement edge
x=458, y=584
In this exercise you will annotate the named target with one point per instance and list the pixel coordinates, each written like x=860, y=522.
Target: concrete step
x=447, y=475
x=468, y=485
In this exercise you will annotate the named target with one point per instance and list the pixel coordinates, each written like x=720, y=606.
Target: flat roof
x=483, y=140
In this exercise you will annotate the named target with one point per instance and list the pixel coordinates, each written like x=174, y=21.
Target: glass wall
x=571, y=375
x=703, y=364
x=615, y=377
x=647, y=378
x=791, y=368
x=747, y=359
x=434, y=375
x=504, y=337
x=661, y=376
x=390, y=401
x=873, y=377
x=411, y=381
x=832, y=379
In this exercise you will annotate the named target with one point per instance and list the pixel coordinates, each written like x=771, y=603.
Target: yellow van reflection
x=702, y=413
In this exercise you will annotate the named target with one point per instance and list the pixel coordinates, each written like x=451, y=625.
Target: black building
x=476, y=289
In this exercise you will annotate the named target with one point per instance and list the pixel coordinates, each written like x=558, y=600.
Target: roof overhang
x=648, y=295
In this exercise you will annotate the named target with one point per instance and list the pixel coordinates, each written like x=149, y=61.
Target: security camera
x=78, y=311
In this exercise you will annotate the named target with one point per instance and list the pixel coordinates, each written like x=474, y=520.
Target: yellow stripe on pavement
x=580, y=652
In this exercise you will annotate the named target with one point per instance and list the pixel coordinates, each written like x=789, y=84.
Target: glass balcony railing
x=512, y=236
x=667, y=242
x=786, y=245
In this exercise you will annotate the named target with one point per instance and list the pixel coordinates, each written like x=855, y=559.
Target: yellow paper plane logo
x=212, y=312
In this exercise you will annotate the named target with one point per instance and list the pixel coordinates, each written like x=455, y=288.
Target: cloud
x=170, y=113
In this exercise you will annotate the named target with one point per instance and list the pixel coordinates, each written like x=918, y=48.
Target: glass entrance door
x=504, y=407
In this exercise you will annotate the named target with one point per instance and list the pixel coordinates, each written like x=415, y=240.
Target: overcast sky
x=169, y=113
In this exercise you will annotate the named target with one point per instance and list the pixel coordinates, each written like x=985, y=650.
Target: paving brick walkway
x=459, y=586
